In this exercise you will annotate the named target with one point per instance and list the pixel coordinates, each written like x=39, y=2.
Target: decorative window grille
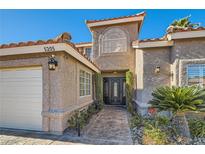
x=196, y=74
x=114, y=40
x=88, y=52
x=85, y=83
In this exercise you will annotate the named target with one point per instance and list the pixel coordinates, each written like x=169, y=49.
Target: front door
x=114, y=90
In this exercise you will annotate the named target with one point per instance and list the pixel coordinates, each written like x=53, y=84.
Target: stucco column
x=55, y=110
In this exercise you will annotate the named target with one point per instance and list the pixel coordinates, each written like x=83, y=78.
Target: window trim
x=200, y=73
x=85, y=84
x=125, y=38
x=91, y=53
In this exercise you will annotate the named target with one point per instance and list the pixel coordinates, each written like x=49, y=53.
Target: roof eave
x=41, y=49
x=152, y=44
x=115, y=21
x=186, y=35
x=84, y=45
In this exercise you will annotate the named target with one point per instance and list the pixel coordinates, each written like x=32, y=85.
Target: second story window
x=88, y=52
x=114, y=40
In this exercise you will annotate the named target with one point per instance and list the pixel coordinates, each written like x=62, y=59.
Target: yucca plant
x=178, y=100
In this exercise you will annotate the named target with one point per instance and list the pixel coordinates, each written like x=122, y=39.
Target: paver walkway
x=110, y=126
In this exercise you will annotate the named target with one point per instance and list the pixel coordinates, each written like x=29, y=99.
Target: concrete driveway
x=22, y=137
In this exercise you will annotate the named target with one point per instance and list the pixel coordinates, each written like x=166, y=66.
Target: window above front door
x=113, y=40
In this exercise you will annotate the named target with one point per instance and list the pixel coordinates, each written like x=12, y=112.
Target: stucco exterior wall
x=173, y=63
x=119, y=60
x=60, y=87
x=147, y=80
x=184, y=52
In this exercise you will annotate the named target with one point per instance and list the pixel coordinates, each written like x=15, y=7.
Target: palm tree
x=183, y=23
x=178, y=100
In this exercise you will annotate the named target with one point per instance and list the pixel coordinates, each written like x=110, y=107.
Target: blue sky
x=26, y=25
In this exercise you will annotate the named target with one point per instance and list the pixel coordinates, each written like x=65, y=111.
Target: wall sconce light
x=157, y=70
x=52, y=63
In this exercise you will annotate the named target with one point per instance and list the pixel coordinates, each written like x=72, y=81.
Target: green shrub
x=129, y=91
x=99, y=90
x=82, y=117
x=73, y=120
x=162, y=120
x=135, y=121
x=197, y=127
x=153, y=135
x=177, y=99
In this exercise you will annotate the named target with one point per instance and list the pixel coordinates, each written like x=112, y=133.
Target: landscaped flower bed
x=156, y=130
x=81, y=118
x=175, y=129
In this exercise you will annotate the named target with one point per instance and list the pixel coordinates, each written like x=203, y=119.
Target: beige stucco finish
x=172, y=61
x=119, y=60
x=60, y=87
x=147, y=79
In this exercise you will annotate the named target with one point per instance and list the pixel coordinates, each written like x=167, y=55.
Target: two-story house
x=43, y=82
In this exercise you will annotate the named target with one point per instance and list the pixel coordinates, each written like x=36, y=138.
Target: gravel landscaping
x=164, y=133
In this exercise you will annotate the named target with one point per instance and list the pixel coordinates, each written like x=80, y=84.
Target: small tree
x=178, y=100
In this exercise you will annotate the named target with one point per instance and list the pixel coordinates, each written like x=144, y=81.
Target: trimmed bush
x=197, y=127
x=82, y=117
x=136, y=121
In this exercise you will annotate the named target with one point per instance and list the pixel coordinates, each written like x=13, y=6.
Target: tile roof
x=63, y=38
x=164, y=38
x=186, y=29
x=154, y=39
x=135, y=15
x=83, y=43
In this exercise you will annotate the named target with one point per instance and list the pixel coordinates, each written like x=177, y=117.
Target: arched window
x=114, y=40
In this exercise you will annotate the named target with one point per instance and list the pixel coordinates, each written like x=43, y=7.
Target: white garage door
x=21, y=98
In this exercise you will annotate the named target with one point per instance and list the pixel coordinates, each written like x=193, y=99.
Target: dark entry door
x=114, y=90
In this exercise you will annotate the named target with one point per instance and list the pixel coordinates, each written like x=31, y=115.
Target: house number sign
x=49, y=49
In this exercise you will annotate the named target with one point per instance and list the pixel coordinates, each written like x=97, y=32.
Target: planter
x=183, y=128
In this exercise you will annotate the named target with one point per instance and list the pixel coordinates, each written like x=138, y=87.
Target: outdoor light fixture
x=52, y=63
x=157, y=70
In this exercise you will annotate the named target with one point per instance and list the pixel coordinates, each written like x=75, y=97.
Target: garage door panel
x=21, y=73
x=21, y=98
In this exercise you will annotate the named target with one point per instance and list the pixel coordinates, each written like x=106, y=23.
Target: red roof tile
x=154, y=39
x=83, y=43
x=135, y=15
x=186, y=29
x=63, y=38
x=164, y=38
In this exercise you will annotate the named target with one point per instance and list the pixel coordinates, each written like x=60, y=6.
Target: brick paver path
x=109, y=127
